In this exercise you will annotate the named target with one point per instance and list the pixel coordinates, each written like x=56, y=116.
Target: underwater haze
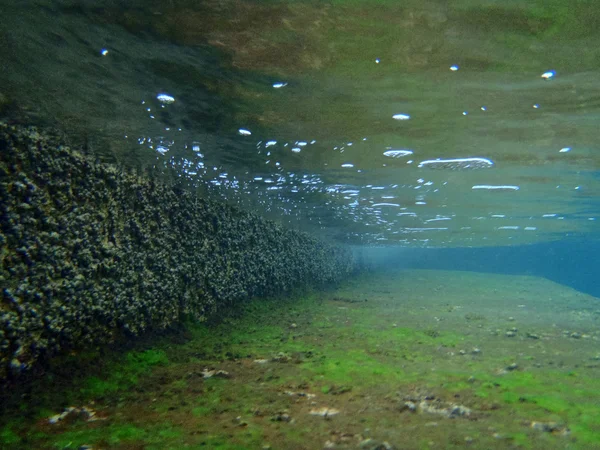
x=300, y=224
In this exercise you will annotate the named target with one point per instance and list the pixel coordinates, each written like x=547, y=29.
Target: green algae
x=8, y=437
x=114, y=435
x=340, y=352
x=123, y=375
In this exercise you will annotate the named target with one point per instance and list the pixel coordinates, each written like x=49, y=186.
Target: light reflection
x=275, y=188
x=397, y=153
x=492, y=188
x=457, y=163
x=548, y=75
x=165, y=98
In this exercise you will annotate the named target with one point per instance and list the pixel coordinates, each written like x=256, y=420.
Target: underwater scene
x=300, y=224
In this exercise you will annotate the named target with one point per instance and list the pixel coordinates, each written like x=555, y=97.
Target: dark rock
x=90, y=252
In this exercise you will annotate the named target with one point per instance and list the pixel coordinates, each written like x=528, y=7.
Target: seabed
x=402, y=360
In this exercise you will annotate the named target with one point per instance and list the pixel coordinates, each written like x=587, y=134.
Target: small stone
x=476, y=351
x=548, y=427
x=575, y=335
x=240, y=423
x=324, y=412
x=281, y=417
x=408, y=406
x=511, y=319
x=532, y=336
x=458, y=411
x=513, y=366
x=367, y=443
x=282, y=357
x=73, y=413
x=293, y=325
x=510, y=334
x=209, y=373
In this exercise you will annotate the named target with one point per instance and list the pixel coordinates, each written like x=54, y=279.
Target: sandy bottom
x=402, y=360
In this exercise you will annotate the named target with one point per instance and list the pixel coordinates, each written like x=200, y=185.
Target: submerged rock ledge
x=88, y=252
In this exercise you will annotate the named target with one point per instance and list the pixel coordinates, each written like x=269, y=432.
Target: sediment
x=90, y=252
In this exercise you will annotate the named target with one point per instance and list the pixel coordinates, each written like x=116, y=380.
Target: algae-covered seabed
x=408, y=359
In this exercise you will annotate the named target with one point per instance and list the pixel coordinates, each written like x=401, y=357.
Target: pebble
x=513, y=366
x=72, y=412
x=550, y=427
x=408, y=406
x=324, y=412
x=282, y=357
x=510, y=334
x=281, y=417
x=240, y=423
x=208, y=373
x=371, y=444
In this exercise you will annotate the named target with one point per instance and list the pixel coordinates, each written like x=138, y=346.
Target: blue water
x=573, y=263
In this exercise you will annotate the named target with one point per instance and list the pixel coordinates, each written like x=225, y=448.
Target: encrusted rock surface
x=88, y=251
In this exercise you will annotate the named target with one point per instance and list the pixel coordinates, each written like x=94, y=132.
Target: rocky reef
x=89, y=252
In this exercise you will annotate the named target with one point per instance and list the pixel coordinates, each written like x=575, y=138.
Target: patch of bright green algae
x=125, y=373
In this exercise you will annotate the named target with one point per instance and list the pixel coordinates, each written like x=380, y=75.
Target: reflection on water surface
x=420, y=123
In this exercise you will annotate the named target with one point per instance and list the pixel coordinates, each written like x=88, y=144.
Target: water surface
x=332, y=116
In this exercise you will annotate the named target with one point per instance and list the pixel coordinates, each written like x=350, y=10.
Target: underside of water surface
x=419, y=123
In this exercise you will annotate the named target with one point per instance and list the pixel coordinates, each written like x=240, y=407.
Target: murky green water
x=417, y=123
